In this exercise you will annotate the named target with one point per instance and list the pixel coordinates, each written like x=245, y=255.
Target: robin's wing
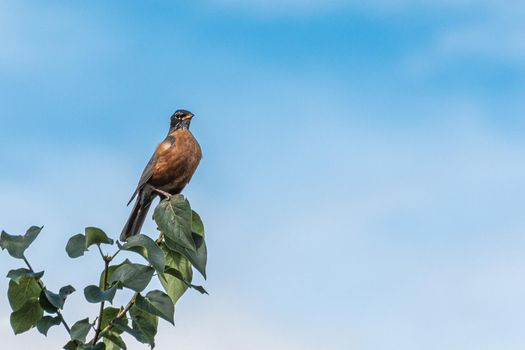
x=146, y=175
x=148, y=170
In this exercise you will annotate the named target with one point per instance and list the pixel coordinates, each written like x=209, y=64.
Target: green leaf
x=94, y=294
x=133, y=276
x=17, y=245
x=199, y=289
x=45, y=304
x=173, y=218
x=98, y=346
x=65, y=291
x=17, y=274
x=19, y=293
x=111, y=345
x=76, y=246
x=80, y=330
x=54, y=299
x=174, y=286
x=197, y=258
x=113, y=340
x=144, y=326
x=197, y=226
x=71, y=345
x=122, y=325
x=146, y=247
x=145, y=323
x=157, y=303
x=111, y=269
x=47, y=322
x=27, y=316
x=178, y=274
x=108, y=315
x=58, y=300
x=95, y=235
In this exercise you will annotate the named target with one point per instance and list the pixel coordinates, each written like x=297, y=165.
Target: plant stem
x=114, y=255
x=100, y=250
x=121, y=314
x=107, y=260
x=42, y=286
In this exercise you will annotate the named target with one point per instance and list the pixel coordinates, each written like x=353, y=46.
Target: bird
x=169, y=170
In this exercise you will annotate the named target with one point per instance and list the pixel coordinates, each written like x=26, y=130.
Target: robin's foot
x=162, y=193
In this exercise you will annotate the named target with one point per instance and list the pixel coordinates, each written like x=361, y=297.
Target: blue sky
x=362, y=180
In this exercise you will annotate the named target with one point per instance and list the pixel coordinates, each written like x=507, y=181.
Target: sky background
x=362, y=185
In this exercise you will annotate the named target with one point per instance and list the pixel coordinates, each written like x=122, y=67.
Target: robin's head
x=181, y=119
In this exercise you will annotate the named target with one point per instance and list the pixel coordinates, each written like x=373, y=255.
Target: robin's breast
x=176, y=164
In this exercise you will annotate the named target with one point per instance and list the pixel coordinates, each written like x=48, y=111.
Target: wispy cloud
x=491, y=33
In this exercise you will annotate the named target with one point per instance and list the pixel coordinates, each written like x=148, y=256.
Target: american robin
x=168, y=171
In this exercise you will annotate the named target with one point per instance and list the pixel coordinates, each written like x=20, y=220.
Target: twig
x=107, y=260
x=100, y=250
x=121, y=314
x=114, y=255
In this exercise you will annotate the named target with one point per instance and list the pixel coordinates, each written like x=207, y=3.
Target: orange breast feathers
x=176, y=162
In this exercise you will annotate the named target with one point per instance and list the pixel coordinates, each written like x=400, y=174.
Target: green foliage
x=179, y=248
x=96, y=236
x=157, y=303
x=17, y=274
x=146, y=247
x=18, y=293
x=94, y=294
x=112, y=340
x=173, y=217
x=57, y=300
x=145, y=324
x=133, y=276
x=27, y=316
x=47, y=322
x=173, y=285
x=17, y=245
x=80, y=330
x=76, y=246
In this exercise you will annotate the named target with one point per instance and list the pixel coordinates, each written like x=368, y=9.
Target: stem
x=107, y=260
x=28, y=265
x=121, y=314
x=42, y=286
x=114, y=255
x=100, y=250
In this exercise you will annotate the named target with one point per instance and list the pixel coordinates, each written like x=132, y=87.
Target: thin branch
x=121, y=314
x=114, y=255
x=42, y=286
x=100, y=250
x=104, y=284
x=27, y=263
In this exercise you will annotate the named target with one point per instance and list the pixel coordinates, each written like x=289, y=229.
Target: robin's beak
x=187, y=117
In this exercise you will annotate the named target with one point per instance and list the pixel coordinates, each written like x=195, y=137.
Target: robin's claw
x=162, y=193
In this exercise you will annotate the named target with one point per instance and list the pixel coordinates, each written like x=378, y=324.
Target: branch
x=107, y=260
x=42, y=286
x=121, y=314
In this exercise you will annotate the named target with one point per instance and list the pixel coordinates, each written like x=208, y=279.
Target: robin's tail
x=137, y=216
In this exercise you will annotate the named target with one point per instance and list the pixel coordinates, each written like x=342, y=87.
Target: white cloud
x=275, y=8
x=300, y=8
x=491, y=31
